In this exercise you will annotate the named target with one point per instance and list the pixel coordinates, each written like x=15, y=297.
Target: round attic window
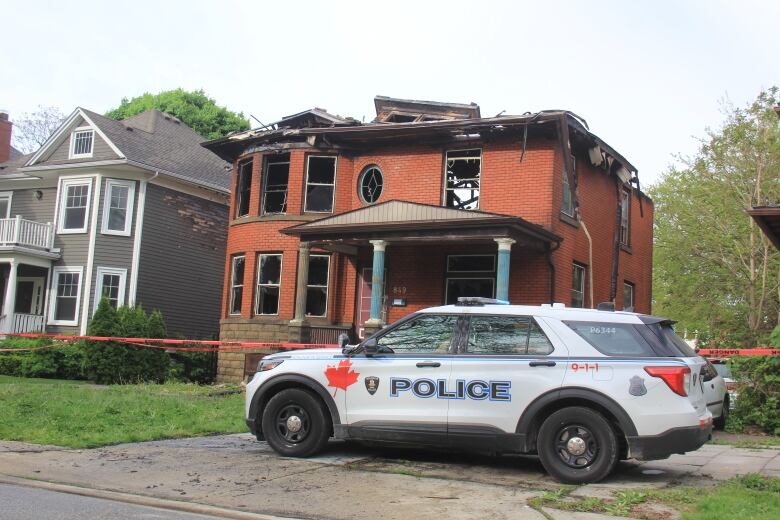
x=370, y=184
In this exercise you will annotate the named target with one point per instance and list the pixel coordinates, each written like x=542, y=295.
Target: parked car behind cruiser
x=581, y=388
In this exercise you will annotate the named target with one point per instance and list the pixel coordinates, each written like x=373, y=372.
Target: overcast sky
x=647, y=78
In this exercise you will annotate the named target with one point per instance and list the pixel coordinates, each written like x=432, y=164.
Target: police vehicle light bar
x=476, y=301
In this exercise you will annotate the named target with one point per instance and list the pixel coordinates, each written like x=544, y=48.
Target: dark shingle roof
x=160, y=141
x=11, y=166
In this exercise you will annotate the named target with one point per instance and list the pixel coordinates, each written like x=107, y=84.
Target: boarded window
x=269, y=280
x=243, y=189
x=462, y=179
x=277, y=173
x=320, y=184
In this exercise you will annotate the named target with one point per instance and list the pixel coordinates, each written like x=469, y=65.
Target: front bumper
x=676, y=440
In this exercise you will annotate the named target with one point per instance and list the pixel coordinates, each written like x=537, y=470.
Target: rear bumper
x=676, y=440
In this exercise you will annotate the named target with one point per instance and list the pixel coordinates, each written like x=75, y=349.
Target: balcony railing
x=19, y=323
x=28, y=233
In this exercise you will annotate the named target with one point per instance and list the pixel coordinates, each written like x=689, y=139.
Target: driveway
x=349, y=481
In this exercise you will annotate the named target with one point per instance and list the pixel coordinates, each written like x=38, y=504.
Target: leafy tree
x=713, y=268
x=31, y=130
x=195, y=109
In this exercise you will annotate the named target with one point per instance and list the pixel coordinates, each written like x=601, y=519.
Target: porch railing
x=23, y=232
x=18, y=322
x=327, y=335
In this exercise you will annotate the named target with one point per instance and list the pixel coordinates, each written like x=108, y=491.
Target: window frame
x=307, y=183
x=10, y=196
x=625, y=218
x=233, y=285
x=114, y=271
x=258, y=285
x=111, y=183
x=469, y=275
x=577, y=265
x=62, y=208
x=72, y=151
x=567, y=189
x=56, y=272
x=627, y=284
x=267, y=162
x=238, y=199
x=532, y=321
x=327, y=289
x=479, y=179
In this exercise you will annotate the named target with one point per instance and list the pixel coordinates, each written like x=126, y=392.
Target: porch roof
x=768, y=219
x=403, y=221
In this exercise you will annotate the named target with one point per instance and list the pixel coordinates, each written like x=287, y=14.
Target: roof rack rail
x=478, y=301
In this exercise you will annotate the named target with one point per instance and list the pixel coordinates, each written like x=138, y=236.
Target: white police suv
x=581, y=388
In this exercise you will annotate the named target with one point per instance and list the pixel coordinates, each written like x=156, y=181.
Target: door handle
x=424, y=364
x=542, y=363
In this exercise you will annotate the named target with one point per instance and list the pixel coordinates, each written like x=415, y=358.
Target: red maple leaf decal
x=341, y=376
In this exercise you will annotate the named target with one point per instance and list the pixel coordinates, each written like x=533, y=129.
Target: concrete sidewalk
x=349, y=481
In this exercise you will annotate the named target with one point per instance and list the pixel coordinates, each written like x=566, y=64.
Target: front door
x=507, y=362
x=397, y=390
x=29, y=295
x=364, y=300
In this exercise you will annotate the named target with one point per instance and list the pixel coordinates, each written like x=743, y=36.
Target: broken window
x=462, y=179
x=277, y=173
x=625, y=218
x=567, y=207
x=320, y=183
x=243, y=187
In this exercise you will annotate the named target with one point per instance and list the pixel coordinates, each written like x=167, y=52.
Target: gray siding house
x=133, y=210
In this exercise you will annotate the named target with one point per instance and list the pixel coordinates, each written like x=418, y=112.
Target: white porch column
x=10, y=297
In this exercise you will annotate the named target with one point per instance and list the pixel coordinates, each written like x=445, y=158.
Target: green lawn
x=78, y=414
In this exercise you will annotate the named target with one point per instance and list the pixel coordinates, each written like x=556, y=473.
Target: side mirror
x=343, y=340
x=370, y=347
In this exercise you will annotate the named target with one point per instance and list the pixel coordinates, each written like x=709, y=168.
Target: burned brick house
x=342, y=226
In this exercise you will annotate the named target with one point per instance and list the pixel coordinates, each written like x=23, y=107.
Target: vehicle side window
x=517, y=335
x=613, y=339
x=423, y=334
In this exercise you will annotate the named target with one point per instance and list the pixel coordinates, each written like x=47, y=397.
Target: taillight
x=731, y=386
x=676, y=378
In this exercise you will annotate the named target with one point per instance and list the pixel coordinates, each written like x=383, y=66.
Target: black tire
x=577, y=428
x=293, y=408
x=719, y=423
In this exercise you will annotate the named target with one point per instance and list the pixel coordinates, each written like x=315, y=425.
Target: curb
x=141, y=500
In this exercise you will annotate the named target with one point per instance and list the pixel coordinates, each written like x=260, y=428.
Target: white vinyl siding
x=118, y=207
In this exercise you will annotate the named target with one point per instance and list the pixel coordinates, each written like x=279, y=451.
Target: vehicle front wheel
x=577, y=445
x=295, y=424
x=720, y=422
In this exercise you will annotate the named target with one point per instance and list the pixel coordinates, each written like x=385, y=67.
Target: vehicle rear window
x=613, y=339
x=665, y=341
x=722, y=370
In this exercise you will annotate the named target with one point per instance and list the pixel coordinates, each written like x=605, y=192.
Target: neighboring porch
x=410, y=256
x=26, y=253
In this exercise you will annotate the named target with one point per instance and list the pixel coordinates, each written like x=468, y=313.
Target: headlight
x=268, y=364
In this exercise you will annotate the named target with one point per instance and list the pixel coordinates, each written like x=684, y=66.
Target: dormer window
x=81, y=143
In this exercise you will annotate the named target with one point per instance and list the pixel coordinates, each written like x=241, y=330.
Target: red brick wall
x=531, y=189
x=5, y=137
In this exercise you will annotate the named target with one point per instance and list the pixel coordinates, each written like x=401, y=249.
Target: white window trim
x=130, y=185
x=53, y=294
x=10, y=196
x=232, y=285
x=61, y=200
x=122, y=273
x=327, y=289
x=306, y=187
x=258, y=285
x=71, y=153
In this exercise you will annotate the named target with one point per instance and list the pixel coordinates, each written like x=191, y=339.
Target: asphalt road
x=23, y=503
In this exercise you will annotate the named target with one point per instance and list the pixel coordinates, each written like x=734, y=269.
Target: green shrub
x=62, y=362
x=758, y=404
x=192, y=367
x=110, y=362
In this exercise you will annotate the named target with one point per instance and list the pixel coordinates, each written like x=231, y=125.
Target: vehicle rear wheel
x=295, y=423
x=720, y=422
x=577, y=445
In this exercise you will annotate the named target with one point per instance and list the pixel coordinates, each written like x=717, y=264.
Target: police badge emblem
x=637, y=386
x=372, y=384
